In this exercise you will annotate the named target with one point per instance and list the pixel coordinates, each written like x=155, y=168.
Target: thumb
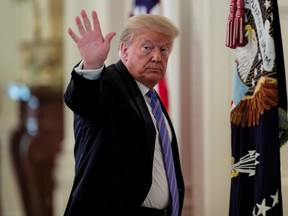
x=109, y=37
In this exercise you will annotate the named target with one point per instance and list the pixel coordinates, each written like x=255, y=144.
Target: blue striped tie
x=167, y=150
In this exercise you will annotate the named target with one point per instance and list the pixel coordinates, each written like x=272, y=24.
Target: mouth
x=155, y=70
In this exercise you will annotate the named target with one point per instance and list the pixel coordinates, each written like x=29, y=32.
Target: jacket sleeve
x=82, y=96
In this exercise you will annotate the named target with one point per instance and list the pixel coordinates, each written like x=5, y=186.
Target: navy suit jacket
x=114, y=145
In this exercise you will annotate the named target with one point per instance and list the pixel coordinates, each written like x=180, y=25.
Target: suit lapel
x=141, y=106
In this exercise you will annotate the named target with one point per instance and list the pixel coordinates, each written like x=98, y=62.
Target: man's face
x=146, y=57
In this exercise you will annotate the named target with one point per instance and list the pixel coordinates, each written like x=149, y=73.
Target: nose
x=156, y=55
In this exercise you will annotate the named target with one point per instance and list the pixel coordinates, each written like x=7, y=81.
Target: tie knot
x=151, y=94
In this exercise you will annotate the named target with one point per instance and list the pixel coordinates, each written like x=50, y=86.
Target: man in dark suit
x=119, y=165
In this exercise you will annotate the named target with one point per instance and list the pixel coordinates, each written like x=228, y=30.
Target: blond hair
x=141, y=22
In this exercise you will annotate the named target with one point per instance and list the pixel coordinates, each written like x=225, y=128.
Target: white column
x=211, y=68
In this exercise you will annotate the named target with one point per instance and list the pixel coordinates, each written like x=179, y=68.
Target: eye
x=165, y=51
x=147, y=48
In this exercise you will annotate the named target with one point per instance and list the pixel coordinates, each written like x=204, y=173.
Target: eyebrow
x=161, y=45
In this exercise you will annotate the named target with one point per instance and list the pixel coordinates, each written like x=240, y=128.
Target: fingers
x=86, y=21
x=73, y=35
x=96, y=22
x=85, y=26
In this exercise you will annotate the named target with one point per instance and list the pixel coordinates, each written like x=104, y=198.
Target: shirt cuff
x=92, y=74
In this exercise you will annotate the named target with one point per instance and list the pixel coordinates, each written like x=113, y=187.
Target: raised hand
x=93, y=47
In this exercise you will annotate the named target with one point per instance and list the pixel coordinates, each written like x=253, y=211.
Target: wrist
x=92, y=66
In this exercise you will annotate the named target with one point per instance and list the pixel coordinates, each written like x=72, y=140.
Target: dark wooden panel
x=34, y=147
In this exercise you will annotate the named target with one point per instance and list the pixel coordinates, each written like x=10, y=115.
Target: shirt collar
x=142, y=88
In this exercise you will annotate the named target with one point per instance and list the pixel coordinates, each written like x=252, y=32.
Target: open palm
x=93, y=47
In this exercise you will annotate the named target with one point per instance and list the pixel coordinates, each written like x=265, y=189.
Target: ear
x=123, y=51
